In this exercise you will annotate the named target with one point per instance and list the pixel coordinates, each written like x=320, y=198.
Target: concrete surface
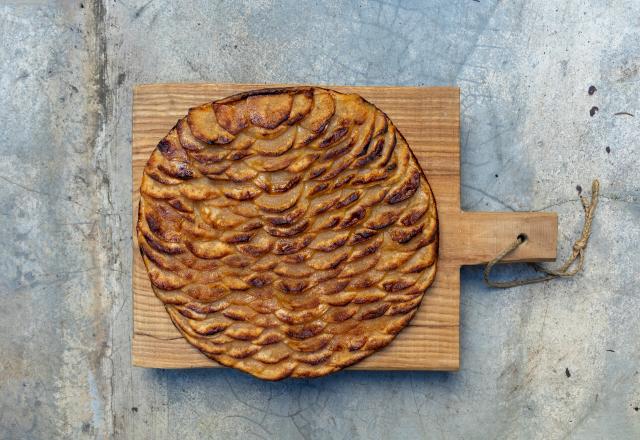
x=545, y=361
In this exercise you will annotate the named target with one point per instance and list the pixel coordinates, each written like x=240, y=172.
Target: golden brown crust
x=289, y=232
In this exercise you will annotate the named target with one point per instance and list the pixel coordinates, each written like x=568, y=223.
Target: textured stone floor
x=544, y=361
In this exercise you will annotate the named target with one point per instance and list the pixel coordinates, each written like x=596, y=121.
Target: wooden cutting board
x=429, y=118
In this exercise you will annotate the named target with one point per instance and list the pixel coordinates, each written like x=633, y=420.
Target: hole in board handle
x=522, y=237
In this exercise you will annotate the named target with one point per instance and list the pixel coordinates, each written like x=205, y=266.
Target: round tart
x=288, y=232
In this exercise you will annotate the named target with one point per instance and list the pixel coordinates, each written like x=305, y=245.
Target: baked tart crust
x=289, y=232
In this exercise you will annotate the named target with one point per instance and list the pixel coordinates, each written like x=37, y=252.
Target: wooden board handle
x=477, y=237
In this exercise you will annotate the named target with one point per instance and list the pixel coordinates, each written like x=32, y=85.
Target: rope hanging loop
x=568, y=269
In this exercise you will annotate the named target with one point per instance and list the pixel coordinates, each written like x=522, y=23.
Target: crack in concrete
x=44, y=193
x=612, y=198
x=490, y=196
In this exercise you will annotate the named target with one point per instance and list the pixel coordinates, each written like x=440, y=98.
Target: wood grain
x=429, y=118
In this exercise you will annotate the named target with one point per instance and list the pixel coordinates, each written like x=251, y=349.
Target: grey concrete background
x=559, y=360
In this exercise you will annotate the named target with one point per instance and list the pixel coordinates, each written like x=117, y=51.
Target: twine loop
x=566, y=270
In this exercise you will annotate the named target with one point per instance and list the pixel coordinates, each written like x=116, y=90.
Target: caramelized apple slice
x=204, y=125
x=301, y=105
x=187, y=139
x=269, y=111
x=279, y=202
x=322, y=111
x=277, y=146
x=231, y=117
